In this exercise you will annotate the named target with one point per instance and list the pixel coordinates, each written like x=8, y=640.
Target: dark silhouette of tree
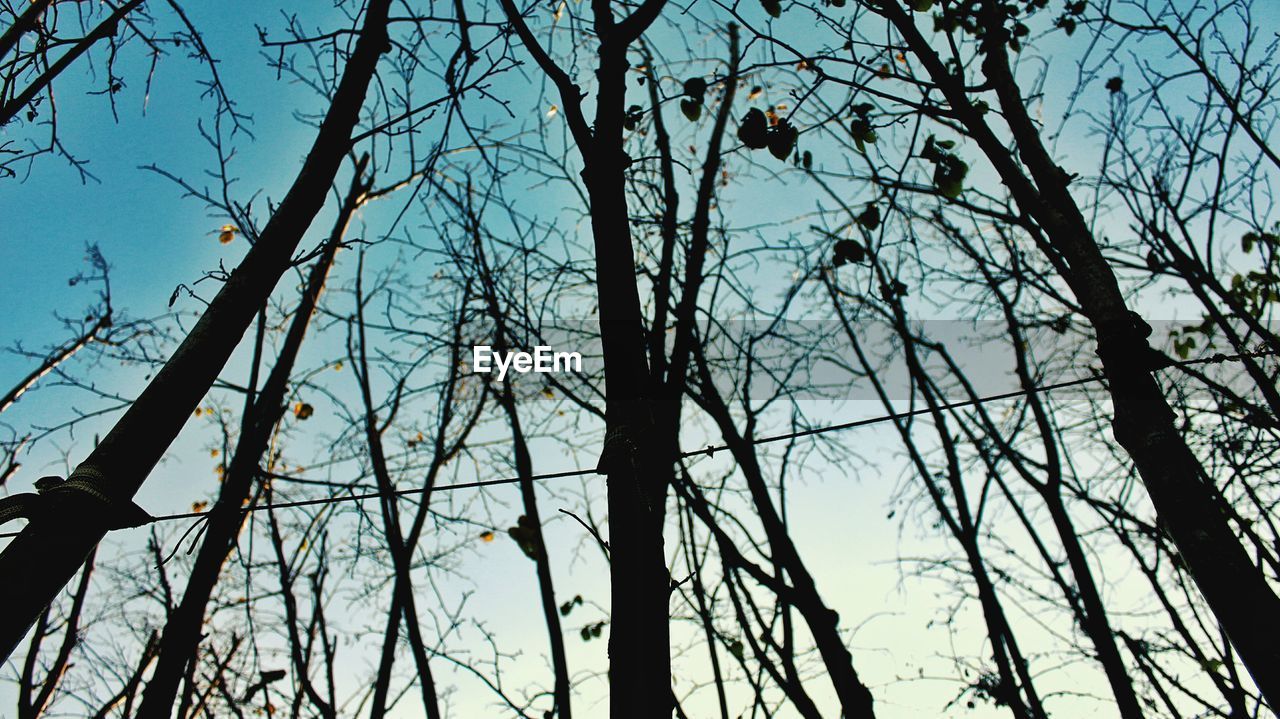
x=263, y=411
x=641, y=433
x=858, y=205
x=54, y=545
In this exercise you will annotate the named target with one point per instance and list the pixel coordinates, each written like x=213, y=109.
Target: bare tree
x=639, y=444
x=53, y=545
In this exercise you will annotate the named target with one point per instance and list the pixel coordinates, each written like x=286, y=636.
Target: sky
x=156, y=239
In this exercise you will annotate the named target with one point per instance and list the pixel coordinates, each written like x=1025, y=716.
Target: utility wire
x=709, y=450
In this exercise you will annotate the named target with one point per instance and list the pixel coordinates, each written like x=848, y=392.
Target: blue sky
x=155, y=240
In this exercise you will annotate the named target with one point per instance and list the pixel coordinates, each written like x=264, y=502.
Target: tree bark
x=1143, y=423
x=638, y=467
x=181, y=633
x=44, y=557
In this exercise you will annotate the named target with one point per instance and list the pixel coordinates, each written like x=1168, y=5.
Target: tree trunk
x=181, y=633
x=44, y=557
x=638, y=470
x=1234, y=588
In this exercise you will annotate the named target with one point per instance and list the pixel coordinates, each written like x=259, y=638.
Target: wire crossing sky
x=294, y=231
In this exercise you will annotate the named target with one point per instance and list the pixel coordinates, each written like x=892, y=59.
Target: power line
x=709, y=450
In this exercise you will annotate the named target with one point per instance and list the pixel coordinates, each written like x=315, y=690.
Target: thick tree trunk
x=46, y=555
x=182, y=633
x=1143, y=423
x=638, y=466
x=1234, y=588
